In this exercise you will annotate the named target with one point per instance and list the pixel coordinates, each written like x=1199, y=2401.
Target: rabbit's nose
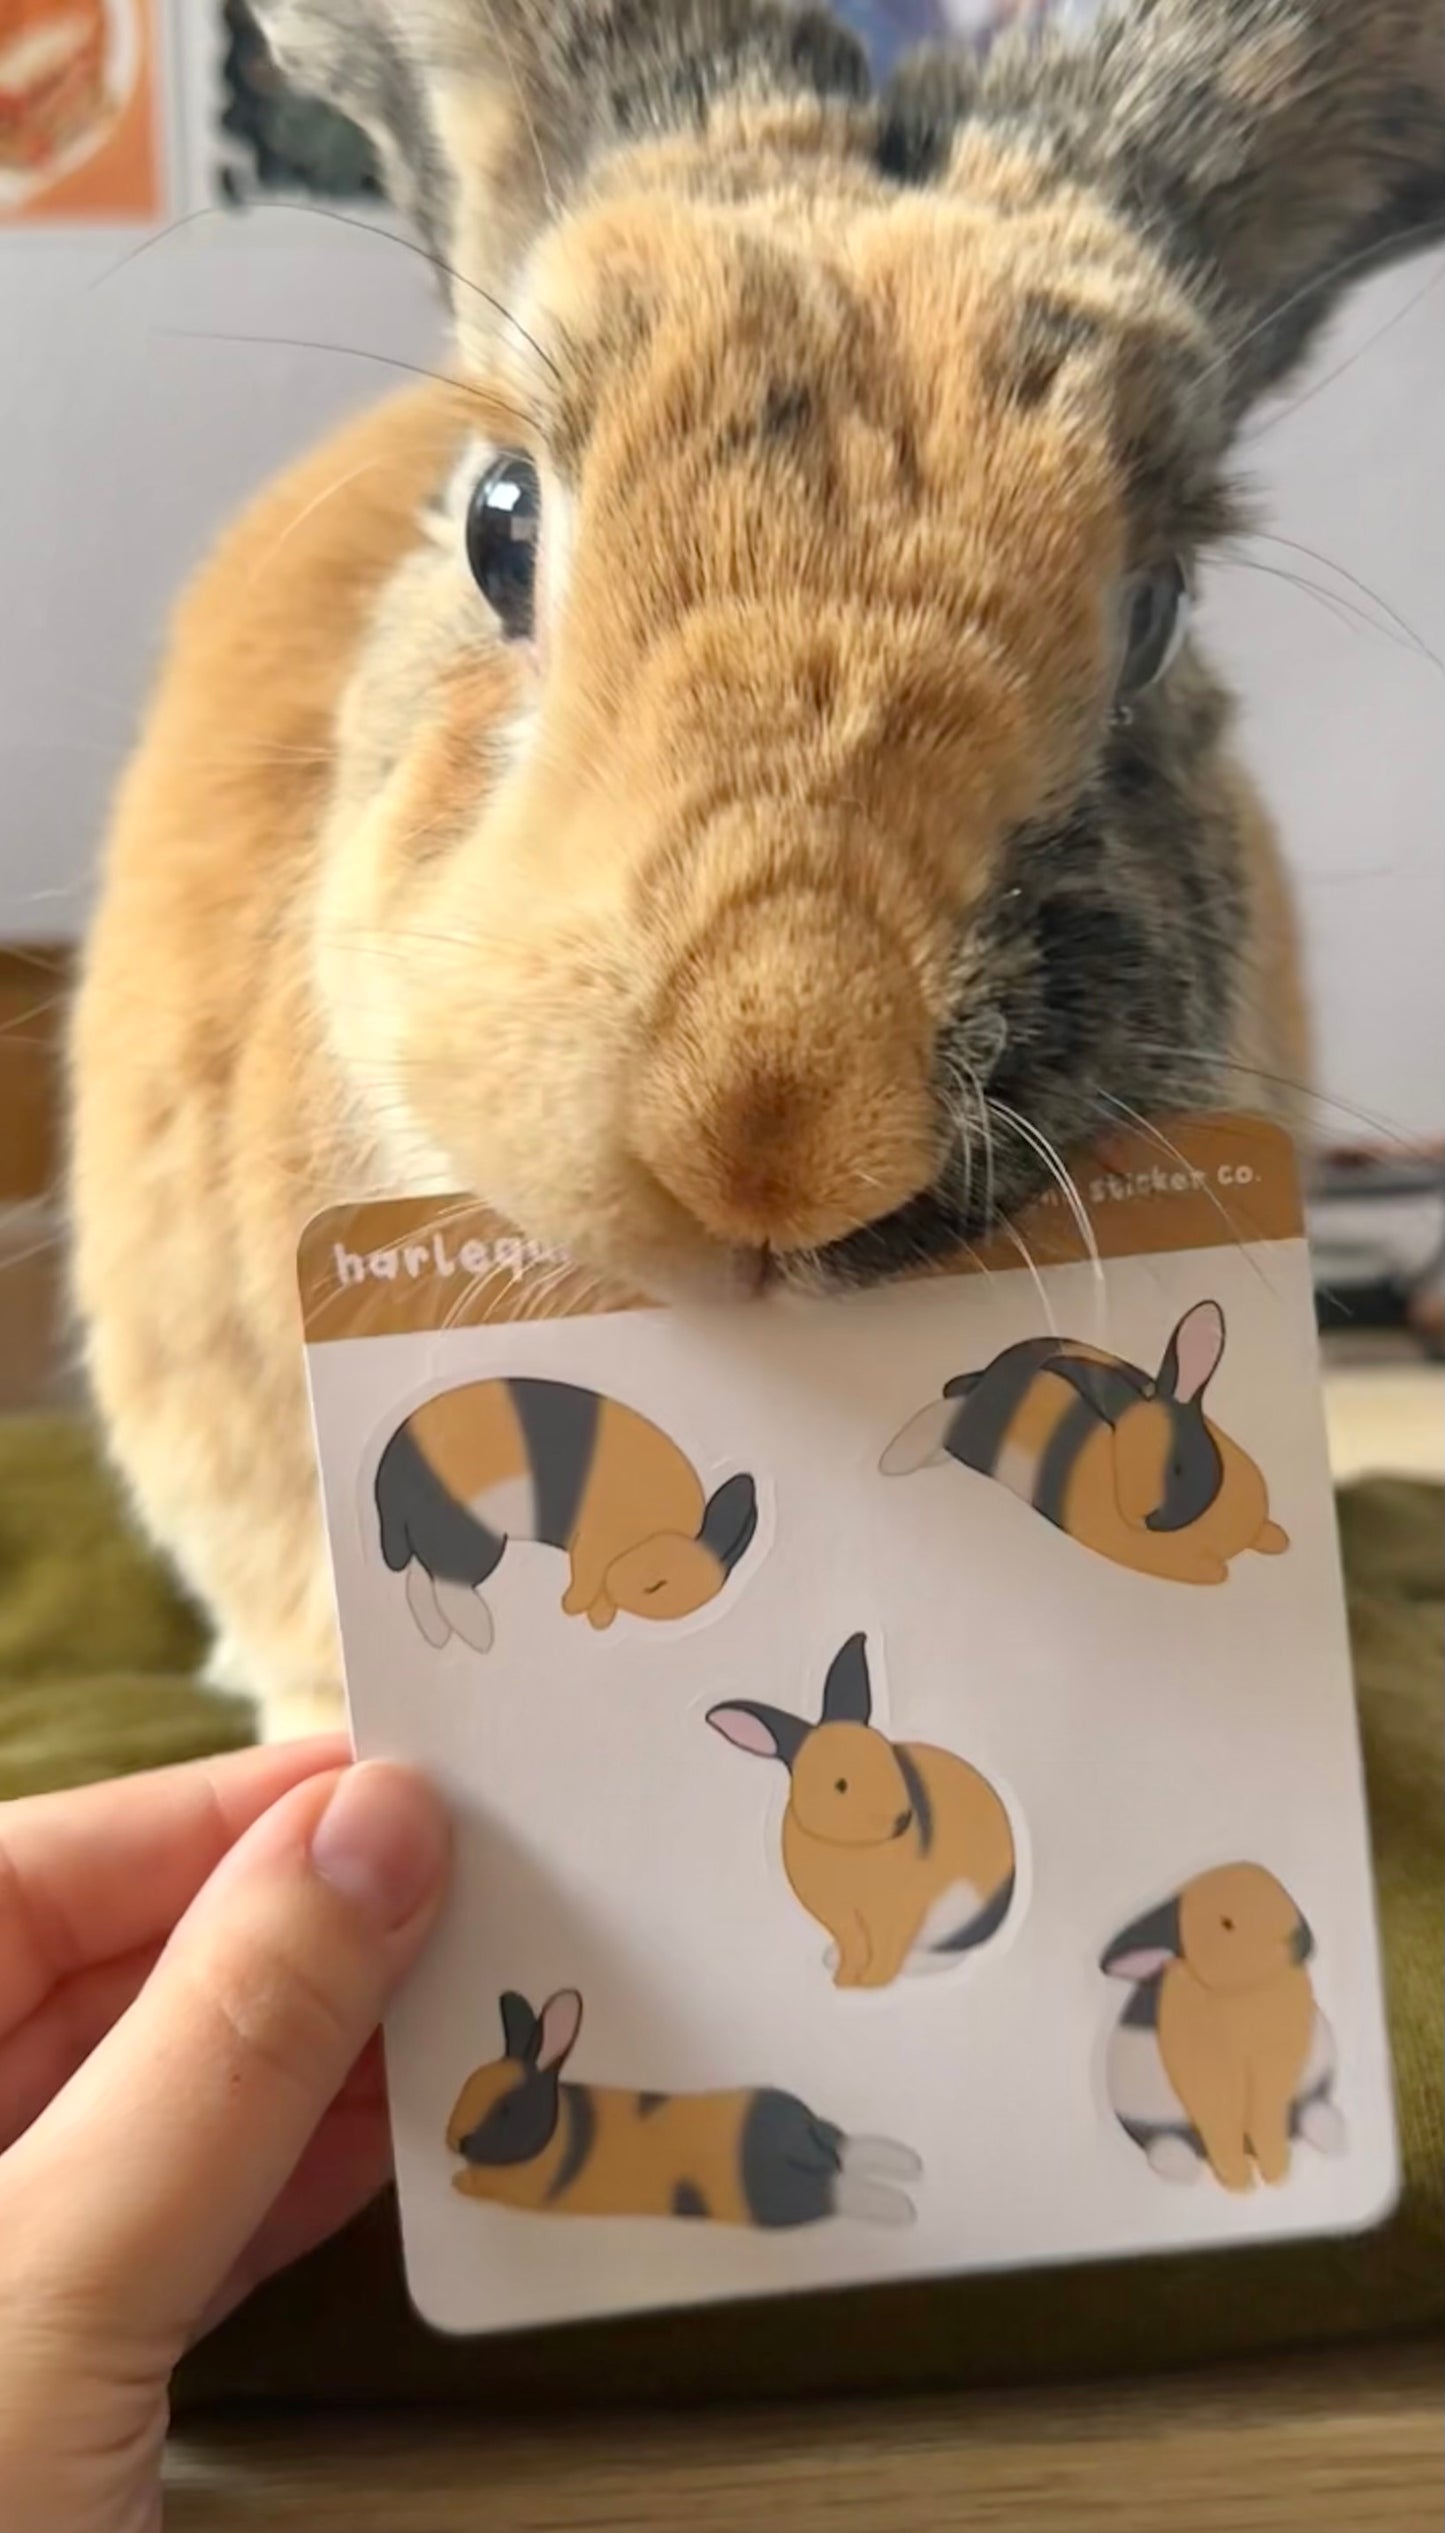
x=786, y=1098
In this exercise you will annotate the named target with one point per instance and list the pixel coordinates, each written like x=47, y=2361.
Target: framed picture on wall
x=82, y=113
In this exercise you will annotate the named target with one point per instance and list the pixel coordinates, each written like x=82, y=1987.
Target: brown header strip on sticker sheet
x=402, y=1265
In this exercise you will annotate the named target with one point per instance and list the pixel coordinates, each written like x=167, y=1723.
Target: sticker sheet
x=902, y=1746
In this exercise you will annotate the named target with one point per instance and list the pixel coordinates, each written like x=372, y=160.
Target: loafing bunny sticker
x=749, y=2156
x=499, y=1460
x=1221, y=2057
x=1126, y=1462
x=903, y=1852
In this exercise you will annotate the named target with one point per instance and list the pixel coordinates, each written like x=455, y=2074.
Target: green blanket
x=96, y=1658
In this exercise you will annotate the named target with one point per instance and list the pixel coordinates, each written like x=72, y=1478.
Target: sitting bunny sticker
x=903, y=1852
x=1221, y=2056
x=749, y=2156
x=1124, y=1461
x=499, y=1460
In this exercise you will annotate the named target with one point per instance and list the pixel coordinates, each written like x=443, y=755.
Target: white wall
x=122, y=446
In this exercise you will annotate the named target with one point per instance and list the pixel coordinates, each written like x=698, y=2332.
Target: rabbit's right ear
x=521, y=2031
x=487, y=113
x=848, y=1691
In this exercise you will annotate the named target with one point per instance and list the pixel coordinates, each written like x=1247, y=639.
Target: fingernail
x=382, y=1842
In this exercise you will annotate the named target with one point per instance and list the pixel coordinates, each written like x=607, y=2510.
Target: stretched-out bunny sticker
x=748, y=2156
x=902, y=1851
x=1221, y=2059
x=494, y=1461
x=1124, y=1461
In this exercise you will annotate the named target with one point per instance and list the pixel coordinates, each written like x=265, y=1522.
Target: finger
x=346, y=2163
x=135, y=2196
x=43, y=2053
x=103, y=1869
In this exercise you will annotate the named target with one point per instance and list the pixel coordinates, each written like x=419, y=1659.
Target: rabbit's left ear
x=1146, y=1947
x=487, y=113
x=1275, y=149
x=560, y=2022
x=1192, y=1356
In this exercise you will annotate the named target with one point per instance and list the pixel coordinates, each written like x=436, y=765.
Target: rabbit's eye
x=841, y=1786
x=503, y=518
x=1228, y=1925
x=1156, y=611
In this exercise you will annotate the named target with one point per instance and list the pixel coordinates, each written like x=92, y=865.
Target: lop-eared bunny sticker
x=494, y=1461
x=1221, y=2058
x=1124, y=1461
x=747, y=2156
x=902, y=1851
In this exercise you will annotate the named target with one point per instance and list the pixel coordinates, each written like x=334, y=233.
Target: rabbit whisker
x=1058, y=1170
x=1292, y=545
x=1012, y=1233
x=349, y=352
x=1286, y=412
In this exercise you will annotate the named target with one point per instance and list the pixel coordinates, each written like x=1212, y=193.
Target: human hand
x=192, y=1968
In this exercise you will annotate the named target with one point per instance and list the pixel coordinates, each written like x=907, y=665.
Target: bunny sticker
x=1221, y=2056
x=749, y=2156
x=499, y=1460
x=903, y=1852
x=1124, y=1461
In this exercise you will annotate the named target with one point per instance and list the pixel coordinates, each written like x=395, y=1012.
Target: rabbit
x=1221, y=2056
x=903, y=1852
x=1125, y=1462
x=661, y=779
x=494, y=1461
x=752, y=2156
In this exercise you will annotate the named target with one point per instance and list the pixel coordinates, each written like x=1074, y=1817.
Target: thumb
x=149, y=2174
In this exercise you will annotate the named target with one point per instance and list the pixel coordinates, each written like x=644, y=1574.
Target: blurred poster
x=80, y=113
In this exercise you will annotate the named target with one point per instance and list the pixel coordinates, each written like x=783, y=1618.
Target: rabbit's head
x=780, y=741
x=1238, y=1927
x=848, y=1786
x=1168, y=1466
x=1234, y=1927
x=507, y=2111
x=670, y=1576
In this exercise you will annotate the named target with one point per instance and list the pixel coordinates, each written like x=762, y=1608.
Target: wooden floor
x=1349, y=2444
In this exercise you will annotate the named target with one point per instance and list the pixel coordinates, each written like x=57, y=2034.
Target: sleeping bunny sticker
x=494, y=1461
x=1124, y=1461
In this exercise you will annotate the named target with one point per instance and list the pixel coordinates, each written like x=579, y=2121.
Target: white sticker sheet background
x=1140, y=1732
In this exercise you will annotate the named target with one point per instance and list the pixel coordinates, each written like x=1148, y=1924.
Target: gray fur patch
x=919, y=1803
x=1059, y=1458
x=987, y=1922
x=420, y=1518
x=790, y=2161
x=990, y=1402
x=580, y=2114
x=559, y=1425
